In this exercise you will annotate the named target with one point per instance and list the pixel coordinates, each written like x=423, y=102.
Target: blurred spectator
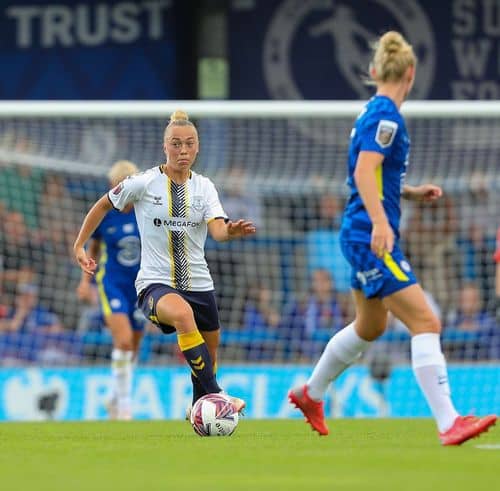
x=260, y=315
x=323, y=245
x=32, y=333
x=470, y=332
x=20, y=190
x=28, y=315
x=239, y=198
x=432, y=248
x=60, y=213
x=20, y=251
x=307, y=324
x=261, y=319
x=226, y=261
x=478, y=218
x=91, y=318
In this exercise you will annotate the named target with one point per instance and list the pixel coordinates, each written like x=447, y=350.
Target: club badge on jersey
x=386, y=131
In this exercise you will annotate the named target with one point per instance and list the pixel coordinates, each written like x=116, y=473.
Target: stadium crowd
x=281, y=295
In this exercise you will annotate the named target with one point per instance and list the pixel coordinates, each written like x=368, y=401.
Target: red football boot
x=312, y=410
x=465, y=428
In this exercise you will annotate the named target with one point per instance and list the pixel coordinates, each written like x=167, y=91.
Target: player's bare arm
x=425, y=192
x=222, y=231
x=366, y=181
x=90, y=223
x=83, y=289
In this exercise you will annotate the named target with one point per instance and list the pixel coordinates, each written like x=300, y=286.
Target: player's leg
x=429, y=365
x=212, y=340
x=120, y=406
x=369, y=275
x=136, y=342
x=343, y=349
x=173, y=310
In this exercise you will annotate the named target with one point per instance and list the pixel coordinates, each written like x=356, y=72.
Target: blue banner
x=93, y=49
x=320, y=49
x=159, y=393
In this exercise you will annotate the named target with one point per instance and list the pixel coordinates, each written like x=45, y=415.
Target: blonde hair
x=392, y=55
x=178, y=118
x=120, y=170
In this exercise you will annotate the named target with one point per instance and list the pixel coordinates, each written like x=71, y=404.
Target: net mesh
x=281, y=294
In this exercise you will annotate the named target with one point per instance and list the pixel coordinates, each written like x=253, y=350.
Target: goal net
x=283, y=293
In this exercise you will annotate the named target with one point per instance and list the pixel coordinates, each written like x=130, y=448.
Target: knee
x=377, y=330
x=434, y=325
x=124, y=342
x=371, y=330
x=183, y=318
x=429, y=324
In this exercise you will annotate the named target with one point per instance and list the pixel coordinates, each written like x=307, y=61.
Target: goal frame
x=238, y=109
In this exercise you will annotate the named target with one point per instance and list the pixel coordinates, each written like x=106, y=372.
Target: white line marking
x=489, y=446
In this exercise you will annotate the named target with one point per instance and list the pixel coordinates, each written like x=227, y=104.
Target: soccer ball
x=214, y=415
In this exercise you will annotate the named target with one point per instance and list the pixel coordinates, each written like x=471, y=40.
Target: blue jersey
x=118, y=265
x=379, y=128
x=120, y=247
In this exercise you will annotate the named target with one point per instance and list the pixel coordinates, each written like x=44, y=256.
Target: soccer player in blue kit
x=116, y=243
x=382, y=279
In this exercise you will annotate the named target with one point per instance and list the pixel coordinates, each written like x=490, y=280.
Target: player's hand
x=382, y=239
x=241, y=228
x=86, y=263
x=427, y=193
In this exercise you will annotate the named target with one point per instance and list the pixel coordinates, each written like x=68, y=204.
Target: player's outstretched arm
x=424, y=192
x=222, y=231
x=90, y=223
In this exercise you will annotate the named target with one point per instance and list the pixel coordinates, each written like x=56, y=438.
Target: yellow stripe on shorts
x=394, y=268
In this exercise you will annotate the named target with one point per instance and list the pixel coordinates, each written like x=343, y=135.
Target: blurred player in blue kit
x=115, y=245
x=382, y=279
x=175, y=207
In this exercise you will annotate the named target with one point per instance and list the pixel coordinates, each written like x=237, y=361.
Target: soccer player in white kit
x=174, y=208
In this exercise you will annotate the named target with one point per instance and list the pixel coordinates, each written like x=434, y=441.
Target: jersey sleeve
x=379, y=134
x=213, y=207
x=128, y=191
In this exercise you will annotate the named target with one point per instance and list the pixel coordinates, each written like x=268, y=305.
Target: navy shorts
x=204, y=306
x=377, y=277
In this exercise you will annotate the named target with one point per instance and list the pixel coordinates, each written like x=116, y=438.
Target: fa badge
x=386, y=131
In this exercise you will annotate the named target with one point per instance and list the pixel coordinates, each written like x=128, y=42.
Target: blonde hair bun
x=392, y=56
x=179, y=116
x=392, y=42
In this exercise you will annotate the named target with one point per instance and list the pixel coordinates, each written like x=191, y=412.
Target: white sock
x=121, y=370
x=429, y=367
x=342, y=350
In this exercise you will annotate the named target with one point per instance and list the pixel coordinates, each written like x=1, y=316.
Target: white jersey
x=172, y=220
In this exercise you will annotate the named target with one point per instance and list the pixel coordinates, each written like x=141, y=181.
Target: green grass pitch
x=359, y=454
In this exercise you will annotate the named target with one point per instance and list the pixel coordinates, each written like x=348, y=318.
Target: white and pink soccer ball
x=214, y=415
